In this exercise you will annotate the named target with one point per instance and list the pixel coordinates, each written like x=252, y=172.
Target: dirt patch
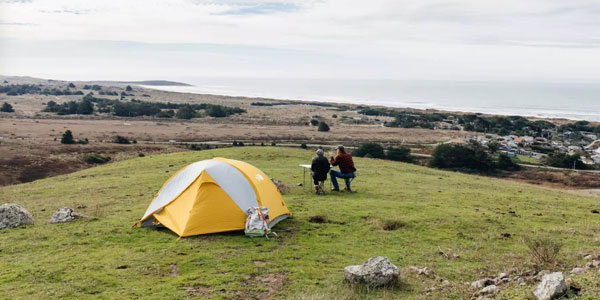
x=198, y=290
x=271, y=283
x=318, y=219
x=391, y=225
x=568, y=179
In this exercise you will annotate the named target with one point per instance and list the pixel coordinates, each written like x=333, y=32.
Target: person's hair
x=341, y=148
x=319, y=152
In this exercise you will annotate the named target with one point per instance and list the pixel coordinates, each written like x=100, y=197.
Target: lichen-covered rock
x=490, y=289
x=553, y=286
x=14, y=215
x=481, y=283
x=65, y=214
x=377, y=271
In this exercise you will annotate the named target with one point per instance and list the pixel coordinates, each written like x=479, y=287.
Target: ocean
x=570, y=100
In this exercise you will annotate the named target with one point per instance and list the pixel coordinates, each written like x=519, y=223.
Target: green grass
x=423, y=210
x=524, y=159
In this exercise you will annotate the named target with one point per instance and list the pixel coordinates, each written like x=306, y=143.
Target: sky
x=537, y=40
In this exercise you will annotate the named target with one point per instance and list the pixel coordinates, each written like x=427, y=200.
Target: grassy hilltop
x=101, y=257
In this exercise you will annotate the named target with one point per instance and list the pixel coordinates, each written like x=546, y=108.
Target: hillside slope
x=101, y=257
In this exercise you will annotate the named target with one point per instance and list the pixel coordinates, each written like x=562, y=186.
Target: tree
x=369, y=149
x=314, y=122
x=128, y=88
x=71, y=85
x=121, y=140
x=303, y=146
x=67, y=138
x=85, y=107
x=563, y=160
x=7, y=108
x=323, y=126
x=465, y=157
x=507, y=164
x=399, y=154
x=493, y=147
x=185, y=112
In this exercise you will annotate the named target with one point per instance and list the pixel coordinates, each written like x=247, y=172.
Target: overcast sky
x=375, y=39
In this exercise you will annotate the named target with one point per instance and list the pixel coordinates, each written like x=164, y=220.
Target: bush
x=96, y=159
x=169, y=113
x=83, y=142
x=562, y=160
x=7, y=108
x=314, y=122
x=186, y=112
x=455, y=156
x=273, y=144
x=399, y=154
x=543, y=249
x=85, y=107
x=128, y=88
x=369, y=149
x=71, y=85
x=303, y=146
x=334, y=116
x=121, y=140
x=67, y=138
x=507, y=164
x=323, y=126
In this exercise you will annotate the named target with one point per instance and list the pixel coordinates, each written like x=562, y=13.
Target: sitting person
x=347, y=169
x=320, y=168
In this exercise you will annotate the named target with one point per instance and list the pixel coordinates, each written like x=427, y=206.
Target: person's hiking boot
x=317, y=190
x=348, y=189
x=335, y=190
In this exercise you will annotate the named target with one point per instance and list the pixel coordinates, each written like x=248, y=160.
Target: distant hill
x=155, y=82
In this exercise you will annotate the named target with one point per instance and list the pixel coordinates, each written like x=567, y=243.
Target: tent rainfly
x=212, y=196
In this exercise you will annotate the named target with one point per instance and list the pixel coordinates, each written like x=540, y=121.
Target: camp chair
x=351, y=179
x=320, y=186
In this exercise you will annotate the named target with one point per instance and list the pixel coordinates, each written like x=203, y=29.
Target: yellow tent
x=212, y=196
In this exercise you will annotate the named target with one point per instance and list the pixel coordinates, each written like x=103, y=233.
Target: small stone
x=577, y=271
x=490, y=289
x=65, y=214
x=300, y=184
x=594, y=264
x=481, y=283
x=595, y=211
x=541, y=274
x=377, y=271
x=588, y=257
x=420, y=270
x=553, y=285
x=14, y=215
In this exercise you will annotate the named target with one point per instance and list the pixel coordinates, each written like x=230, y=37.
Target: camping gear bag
x=257, y=222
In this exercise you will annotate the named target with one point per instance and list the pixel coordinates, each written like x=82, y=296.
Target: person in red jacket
x=347, y=169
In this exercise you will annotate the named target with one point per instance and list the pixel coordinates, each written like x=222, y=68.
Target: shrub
x=369, y=149
x=542, y=249
x=186, y=112
x=273, y=144
x=323, y=126
x=121, y=140
x=7, y=108
x=96, y=159
x=141, y=154
x=67, y=138
x=334, y=116
x=169, y=113
x=455, y=156
x=314, y=122
x=399, y=154
x=83, y=142
x=507, y=164
x=216, y=111
x=128, y=88
x=71, y=85
x=85, y=107
x=563, y=160
x=303, y=146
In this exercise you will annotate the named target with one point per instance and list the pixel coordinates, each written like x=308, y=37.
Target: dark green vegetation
x=6, y=107
x=402, y=211
x=467, y=158
x=323, y=126
x=136, y=108
x=563, y=160
x=67, y=138
x=375, y=150
x=121, y=140
x=94, y=158
x=22, y=89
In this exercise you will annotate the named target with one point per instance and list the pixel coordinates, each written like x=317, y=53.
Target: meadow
x=411, y=214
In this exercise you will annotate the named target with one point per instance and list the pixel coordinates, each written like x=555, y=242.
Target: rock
x=577, y=271
x=481, y=283
x=65, y=214
x=300, y=184
x=14, y=215
x=420, y=270
x=552, y=286
x=594, y=264
x=377, y=271
x=541, y=274
x=490, y=289
x=588, y=257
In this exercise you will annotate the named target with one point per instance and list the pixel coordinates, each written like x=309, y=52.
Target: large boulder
x=553, y=286
x=65, y=214
x=377, y=271
x=13, y=215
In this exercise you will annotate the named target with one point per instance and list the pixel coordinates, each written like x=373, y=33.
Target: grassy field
x=103, y=258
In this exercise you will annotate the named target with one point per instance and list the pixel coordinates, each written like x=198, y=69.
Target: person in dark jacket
x=347, y=169
x=320, y=168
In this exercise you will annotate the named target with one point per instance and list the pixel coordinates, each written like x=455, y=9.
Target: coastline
x=415, y=106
